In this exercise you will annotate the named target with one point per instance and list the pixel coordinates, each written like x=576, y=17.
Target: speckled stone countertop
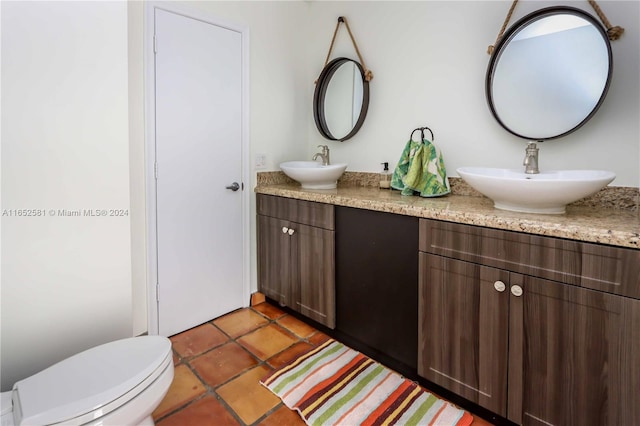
x=617, y=227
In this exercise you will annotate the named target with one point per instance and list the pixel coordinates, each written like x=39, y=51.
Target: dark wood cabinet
x=574, y=356
x=464, y=329
x=275, y=268
x=296, y=246
x=377, y=281
x=535, y=350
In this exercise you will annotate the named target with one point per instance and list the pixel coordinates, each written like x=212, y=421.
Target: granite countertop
x=617, y=227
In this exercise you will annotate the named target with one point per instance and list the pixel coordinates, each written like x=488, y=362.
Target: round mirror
x=549, y=73
x=341, y=99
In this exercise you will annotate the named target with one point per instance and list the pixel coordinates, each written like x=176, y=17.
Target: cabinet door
x=463, y=329
x=313, y=273
x=274, y=259
x=377, y=282
x=574, y=356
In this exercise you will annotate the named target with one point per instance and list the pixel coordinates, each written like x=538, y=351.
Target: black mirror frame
x=513, y=30
x=321, y=91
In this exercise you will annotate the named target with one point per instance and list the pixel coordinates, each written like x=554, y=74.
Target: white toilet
x=118, y=383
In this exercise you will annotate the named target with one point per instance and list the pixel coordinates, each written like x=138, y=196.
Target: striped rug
x=335, y=385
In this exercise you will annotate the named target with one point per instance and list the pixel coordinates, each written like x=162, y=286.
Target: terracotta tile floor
x=218, y=366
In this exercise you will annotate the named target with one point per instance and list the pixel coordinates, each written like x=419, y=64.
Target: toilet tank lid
x=89, y=380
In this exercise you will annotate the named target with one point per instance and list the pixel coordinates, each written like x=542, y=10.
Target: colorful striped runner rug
x=335, y=385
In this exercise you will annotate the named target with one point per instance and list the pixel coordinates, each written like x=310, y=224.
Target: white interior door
x=198, y=132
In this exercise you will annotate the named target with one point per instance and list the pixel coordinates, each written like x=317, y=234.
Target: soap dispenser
x=385, y=177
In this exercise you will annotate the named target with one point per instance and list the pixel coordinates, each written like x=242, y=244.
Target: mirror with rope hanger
x=550, y=72
x=341, y=97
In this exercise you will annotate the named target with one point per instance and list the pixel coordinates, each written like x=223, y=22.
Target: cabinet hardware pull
x=516, y=290
x=291, y=231
x=284, y=229
x=499, y=286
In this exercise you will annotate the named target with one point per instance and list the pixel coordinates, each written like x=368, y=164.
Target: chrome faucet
x=531, y=159
x=324, y=155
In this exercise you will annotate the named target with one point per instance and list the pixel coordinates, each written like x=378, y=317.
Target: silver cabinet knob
x=234, y=186
x=516, y=290
x=291, y=231
x=284, y=229
x=499, y=286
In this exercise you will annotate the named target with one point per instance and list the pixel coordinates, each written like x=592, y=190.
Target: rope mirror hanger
x=613, y=32
x=368, y=75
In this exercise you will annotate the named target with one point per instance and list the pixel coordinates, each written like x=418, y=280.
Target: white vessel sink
x=546, y=192
x=312, y=174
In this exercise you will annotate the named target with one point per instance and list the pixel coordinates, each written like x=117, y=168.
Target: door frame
x=150, y=150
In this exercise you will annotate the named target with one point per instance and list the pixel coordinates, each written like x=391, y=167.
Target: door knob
x=234, y=186
x=499, y=286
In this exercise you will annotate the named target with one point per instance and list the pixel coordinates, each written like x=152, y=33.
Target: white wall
x=66, y=281
x=429, y=62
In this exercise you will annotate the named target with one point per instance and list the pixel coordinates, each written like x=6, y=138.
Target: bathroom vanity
x=532, y=317
x=537, y=329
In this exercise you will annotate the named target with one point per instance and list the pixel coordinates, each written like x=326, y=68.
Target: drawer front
x=306, y=212
x=612, y=269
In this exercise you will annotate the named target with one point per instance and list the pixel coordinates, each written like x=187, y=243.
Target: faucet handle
x=325, y=148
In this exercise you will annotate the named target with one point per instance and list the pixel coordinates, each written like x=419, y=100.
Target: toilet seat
x=93, y=383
